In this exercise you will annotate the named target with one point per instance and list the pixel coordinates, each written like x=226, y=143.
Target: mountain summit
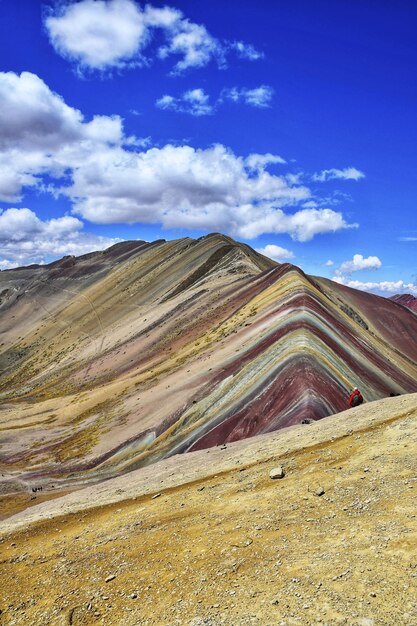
x=116, y=359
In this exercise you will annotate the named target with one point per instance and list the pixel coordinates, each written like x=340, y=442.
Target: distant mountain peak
x=406, y=299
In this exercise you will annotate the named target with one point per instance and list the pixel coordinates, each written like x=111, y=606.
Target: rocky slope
x=208, y=538
x=115, y=360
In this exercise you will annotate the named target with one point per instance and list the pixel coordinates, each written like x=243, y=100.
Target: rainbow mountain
x=116, y=359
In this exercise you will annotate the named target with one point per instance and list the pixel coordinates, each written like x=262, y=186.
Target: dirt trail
x=221, y=543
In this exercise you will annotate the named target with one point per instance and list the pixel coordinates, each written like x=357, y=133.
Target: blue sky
x=289, y=125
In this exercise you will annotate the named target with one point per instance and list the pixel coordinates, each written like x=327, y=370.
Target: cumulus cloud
x=194, y=101
x=359, y=262
x=384, y=287
x=41, y=134
x=259, y=97
x=111, y=178
x=32, y=116
x=24, y=238
x=276, y=252
x=106, y=34
x=98, y=34
x=329, y=263
x=209, y=189
x=348, y=173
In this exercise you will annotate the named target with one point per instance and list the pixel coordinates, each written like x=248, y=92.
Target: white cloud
x=303, y=225
x=294, y=179
x=359, y=262
x=13, y=177
x=168, y=102
x=407, y=238
x=194, y=101
x=106, y=34
x=167, y=17
x=348, y=173
x=41, y=134
x=24, y=238
x=196, y=46
x=208, y=189
x=260, y=161
x=111, y=178
x=276, y=252
x=259, y=97
x=329, y=263
x=384, y=287
x=98, y=34
x=8, y=265
x=246, y=51
x=33, y=117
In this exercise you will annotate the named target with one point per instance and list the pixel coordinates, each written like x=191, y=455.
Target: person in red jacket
x=355, y=398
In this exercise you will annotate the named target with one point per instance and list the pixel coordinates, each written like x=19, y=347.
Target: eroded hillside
x=117, y=359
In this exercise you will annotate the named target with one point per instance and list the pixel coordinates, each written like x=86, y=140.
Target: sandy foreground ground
x=209, y=538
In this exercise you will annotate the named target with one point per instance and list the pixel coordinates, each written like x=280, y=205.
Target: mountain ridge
x=176, y=346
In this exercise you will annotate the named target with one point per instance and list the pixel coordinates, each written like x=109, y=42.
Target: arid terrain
x=208, y=538
x=175, y=446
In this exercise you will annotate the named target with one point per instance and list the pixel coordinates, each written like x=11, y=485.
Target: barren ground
x=209, y=538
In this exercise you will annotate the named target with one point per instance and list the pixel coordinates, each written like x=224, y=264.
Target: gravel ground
x=211, y=539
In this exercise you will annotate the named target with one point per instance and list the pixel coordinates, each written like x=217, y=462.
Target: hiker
x=355, y=398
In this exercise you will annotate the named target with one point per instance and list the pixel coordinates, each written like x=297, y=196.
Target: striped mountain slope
x=114, y=360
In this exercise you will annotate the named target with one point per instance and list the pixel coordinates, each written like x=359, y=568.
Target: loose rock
x=109, y=578
x=277, y=472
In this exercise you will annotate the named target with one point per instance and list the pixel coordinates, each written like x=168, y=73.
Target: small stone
x=274, y=602
x=373, y=594
x=109, y=578
x=242, y=543
x=277, y=472
x=319, y=491
x=133, y=596
x=157, y=495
